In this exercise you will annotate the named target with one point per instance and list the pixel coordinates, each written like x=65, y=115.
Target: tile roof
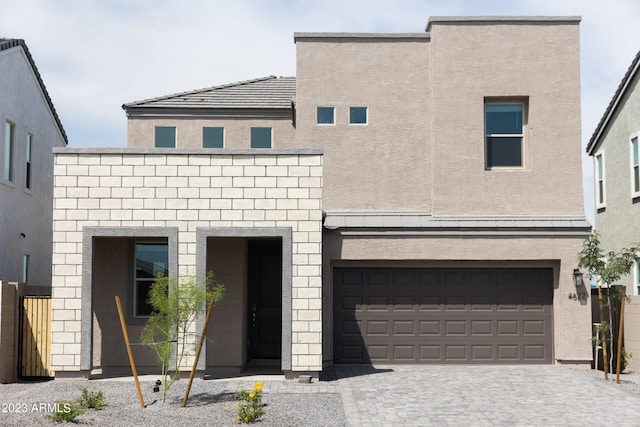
x=613, y=104
x=421, y=223
x=269, y=92
x=6, y=44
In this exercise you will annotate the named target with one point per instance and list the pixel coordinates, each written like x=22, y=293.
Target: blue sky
x=95, y=55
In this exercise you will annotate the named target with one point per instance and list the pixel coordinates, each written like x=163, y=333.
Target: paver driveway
x=483, y=395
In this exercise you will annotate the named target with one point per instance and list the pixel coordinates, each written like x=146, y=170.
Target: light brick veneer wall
x=187, y=189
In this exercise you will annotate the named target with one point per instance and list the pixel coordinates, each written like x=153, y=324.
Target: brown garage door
x=418, y=315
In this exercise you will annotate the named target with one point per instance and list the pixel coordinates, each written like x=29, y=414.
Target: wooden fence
x=35, y=337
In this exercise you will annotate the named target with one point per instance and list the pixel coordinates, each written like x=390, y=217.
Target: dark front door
x=265, y=298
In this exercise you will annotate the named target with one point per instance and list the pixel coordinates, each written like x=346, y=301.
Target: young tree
x=176, y=304
x=606, y=268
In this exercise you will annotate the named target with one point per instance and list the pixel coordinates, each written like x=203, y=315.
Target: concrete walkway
x=483, y=396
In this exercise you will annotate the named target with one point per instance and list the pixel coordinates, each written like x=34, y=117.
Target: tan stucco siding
x=386, y=164
x=536, y=62
x=237, y=132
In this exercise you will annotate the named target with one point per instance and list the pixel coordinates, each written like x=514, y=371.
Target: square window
x=358, y=115
x=212, y=137
x=260, y=137
x=326, y=115
x=7, y=163
x=504, y=135
x=165, y=137
x=151, y=261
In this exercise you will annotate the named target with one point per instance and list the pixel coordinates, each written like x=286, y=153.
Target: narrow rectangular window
x=260, y=137
x=7, y=164
x=151, y=261
x=504, y=135
x=165, y=137
x=635, y=168
x=358, y=115
x=212, y=137
x=325, y=115
x=25, y=268
x=27, y=183
x=600, y=200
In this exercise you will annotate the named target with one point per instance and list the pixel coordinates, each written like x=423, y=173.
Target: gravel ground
x=210, y=403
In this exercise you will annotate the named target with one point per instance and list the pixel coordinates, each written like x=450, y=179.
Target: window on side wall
x=635, y=271
x=25, y=268
x=7, y=152
x=504, y=134
x=358, y=115
x=600, y=182
x=27, y=182
x=165, y=137
x=635, y=168
x=151, y=261
x=212, y=137
x=261, y=138
x=325, y=116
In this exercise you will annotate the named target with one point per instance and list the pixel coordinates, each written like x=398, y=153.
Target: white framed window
x=28, y=168
x=325, y=115
x=25, y=268
x=212, y=137
x=600, y=180
x=151, y=261
x=635, y=271
x=7, y=152
x=504, y=134
x=635, y=167
x=358, y=115
x=165, y=137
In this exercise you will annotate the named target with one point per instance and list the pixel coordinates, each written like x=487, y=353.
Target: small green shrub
x=251, y=408
x=66, y=412
x=91, y=399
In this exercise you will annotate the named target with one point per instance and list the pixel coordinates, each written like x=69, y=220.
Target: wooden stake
x=624, y=296
x=126, y=341
x=195, y=362
x=605, y=359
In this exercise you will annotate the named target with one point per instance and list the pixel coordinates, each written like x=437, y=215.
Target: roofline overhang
x=183, y=112
x=612, y=108
x=378, y=37
x=475, y=20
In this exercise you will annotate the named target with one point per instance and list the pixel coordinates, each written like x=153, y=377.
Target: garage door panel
x=397, y=315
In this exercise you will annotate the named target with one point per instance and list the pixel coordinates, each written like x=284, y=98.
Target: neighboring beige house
x=406, y=198
x=614, y=147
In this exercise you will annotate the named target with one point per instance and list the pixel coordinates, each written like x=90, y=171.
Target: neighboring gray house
x=615, y=148
x=406, y=198
x=30, y=130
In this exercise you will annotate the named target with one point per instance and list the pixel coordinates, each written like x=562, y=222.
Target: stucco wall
x=617, y=222
x=571, y=319
x=188, y=191
x=23, y=210
x=534, y=61
x=237, y=132
x=386, y=164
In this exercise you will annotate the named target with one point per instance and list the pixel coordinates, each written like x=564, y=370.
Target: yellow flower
x=237, y=418
x=258, y=387
x=252, y=395
x=246, y=420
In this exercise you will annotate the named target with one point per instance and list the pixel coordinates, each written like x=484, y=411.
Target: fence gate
x=35, y=337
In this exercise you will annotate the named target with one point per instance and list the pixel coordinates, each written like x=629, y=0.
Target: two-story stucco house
x=406, y=198
x=614, y=148
x=30, y=130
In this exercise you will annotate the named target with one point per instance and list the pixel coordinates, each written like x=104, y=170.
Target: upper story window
x=600, y=184
x=213, y=137
x=27, y=183
x=261, y=137
x=25, y=268
x=358, y=115
x=151, y=261
x=7, y=152
x=504, y=134
x=635, y=168
x=326, y=115
x=165, y=137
